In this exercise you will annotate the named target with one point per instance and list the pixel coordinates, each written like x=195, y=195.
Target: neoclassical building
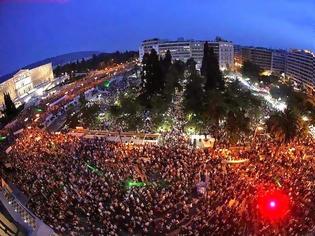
x=26, y=81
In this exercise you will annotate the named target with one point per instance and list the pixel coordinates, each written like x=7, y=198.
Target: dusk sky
x=31, y=30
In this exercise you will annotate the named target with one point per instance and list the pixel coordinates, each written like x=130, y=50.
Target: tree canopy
x=194, y=94
x=287, y=125
x=210, y=69
x=96, y=62
x=251, y=70
x=9, y=107
x=151, y=77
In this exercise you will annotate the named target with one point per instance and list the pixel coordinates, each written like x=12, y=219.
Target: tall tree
x=83, y=65
x=191, y=66
x=82, y=100
x=194, y=94
x=10, y=109
x=128, y=112
x=251, y=70
x=215, y=107
x=166, y=62
x=210, y=69
x=205, y=59
x=57, y=71
x=287, y=125
x=152, y=77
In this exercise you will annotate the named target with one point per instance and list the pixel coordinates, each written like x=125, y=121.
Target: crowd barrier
x=124, y=137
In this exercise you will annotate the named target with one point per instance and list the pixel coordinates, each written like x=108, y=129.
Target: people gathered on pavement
x=79, y=186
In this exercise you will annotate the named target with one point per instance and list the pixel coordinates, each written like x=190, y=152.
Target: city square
x=178, y=137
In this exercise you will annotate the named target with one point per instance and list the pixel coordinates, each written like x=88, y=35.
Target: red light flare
x=273, y=205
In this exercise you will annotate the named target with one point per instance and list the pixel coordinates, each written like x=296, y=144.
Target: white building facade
x=300, y=67
x=147, y=45
x=278, y=61
x=22, y=85
x=184, y=49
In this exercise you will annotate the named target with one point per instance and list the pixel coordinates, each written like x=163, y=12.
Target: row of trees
x=96, y=62
x=160, y=78
x=230, y=106
x=208, y=101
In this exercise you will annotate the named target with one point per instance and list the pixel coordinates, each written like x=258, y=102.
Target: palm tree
x=287, y=125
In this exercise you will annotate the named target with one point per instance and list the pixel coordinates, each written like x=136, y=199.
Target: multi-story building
x=180, y=50
x=267, y=59
x=42, y=74
x=278, y=61
x=185, y=49
x=26, y=81
x=197, y=48
x=225, y=52
x=300, y=67
x=261, y=57
x=147, y=46
x=23, y=83
x=238, y=54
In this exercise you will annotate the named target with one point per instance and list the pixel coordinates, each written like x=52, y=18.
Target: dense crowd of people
x=79, y=186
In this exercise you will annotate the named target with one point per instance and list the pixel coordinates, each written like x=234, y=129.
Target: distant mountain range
x=57, y=60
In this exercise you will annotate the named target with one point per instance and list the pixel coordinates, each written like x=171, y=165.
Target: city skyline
x=80, y=26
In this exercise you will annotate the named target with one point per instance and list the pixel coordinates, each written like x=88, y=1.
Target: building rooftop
x=304, y=51
x=216, y=40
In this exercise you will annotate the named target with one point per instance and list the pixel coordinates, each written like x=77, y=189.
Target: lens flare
x=273, y=205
